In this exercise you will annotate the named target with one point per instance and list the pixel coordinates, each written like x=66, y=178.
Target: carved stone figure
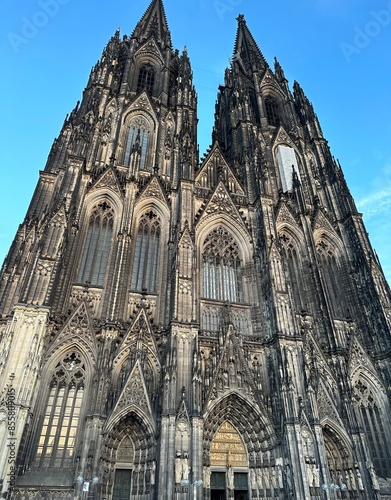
x=230, y=478
x=372, y=473
x=185, y=467
x=153, y=472
x=207, y=474
x=253, y=479
x=178, y=468
x=315, y=476
x=359, y=479
x=280, y=477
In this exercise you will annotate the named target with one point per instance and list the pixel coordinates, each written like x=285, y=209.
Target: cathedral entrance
x=218, y=486
x=123, y=472
x=217, y=495
x=128, y=466
x=228, y=464
x=122, y=484
x=220, y=489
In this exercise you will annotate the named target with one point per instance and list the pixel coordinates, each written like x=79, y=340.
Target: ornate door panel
x=122, y=484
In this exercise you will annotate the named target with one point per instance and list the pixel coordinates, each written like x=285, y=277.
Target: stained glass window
x=222, y=278
x=374, y=423
x=62, y=412
x=137, y=144
x=146, y=79
x=332, y=278
x=97, y=246
x=272, y=113
x=146, y=253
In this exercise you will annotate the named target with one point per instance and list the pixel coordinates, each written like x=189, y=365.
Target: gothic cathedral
x=180, y=328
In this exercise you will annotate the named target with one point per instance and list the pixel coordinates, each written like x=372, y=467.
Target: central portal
x=228, y=465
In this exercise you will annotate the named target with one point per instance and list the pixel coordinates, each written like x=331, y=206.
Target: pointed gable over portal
x=221, y=203
x=134, y=397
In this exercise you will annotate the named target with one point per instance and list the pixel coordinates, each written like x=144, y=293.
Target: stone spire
x=154, y=23
x=246, y=51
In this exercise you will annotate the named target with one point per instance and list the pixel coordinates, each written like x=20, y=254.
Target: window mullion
x=59, y=413
x=49, y=415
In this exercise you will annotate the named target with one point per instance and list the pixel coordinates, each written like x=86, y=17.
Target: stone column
x=21, y=353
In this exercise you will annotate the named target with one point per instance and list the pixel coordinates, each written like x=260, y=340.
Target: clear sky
x=338, y=50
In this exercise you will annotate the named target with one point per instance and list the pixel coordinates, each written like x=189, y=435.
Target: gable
x=153, y=190
x=78, y=330
x=107, y=181
x=221, y=203
x=214, y=169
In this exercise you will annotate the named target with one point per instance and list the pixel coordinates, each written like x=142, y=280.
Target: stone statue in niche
x=372, y=473
x=178, y=467
x=315, y=475
x=153, y=472
x=230, y=478
x=253, y=479
x=185, y=467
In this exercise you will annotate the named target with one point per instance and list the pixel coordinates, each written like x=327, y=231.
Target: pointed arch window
x=97, y=245
x=272, y=112
x=222, y=274
x=146, y=79
x=295, y=272
x=374, y=421
x=332, y=277
x=146, y=253
x=56, y=443
x=137, y=145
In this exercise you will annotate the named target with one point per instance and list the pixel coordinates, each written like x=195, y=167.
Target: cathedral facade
x=174, y=327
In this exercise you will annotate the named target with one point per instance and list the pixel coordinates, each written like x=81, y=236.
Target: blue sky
x=339, y=51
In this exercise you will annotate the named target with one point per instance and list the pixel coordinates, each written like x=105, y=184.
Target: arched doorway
x=123, y=470
x=228, y=465
x=229, y=449
x=129, y=460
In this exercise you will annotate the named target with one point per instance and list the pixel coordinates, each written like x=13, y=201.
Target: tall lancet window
x=222, y=276
x=146, y=79
x=56, y=444
x=146, y=254
x=272, y=112
x=295, y=271
x=137, y=145
x=97, y=246
x=332, y=278
x=376, y=425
